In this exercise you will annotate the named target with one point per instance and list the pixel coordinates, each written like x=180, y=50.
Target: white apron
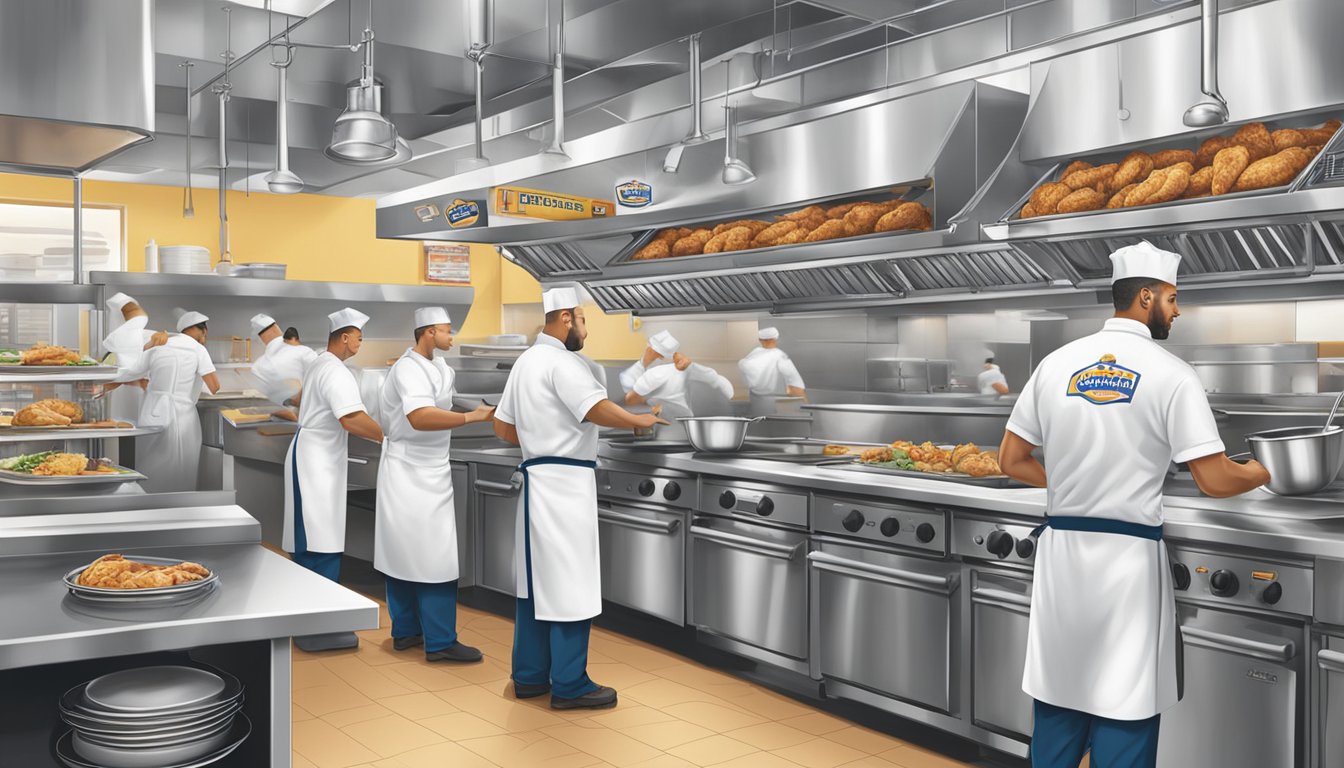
x=127, y=342
x=315, y=485
x=557, y=522
x=169, y=458
x=415, y=528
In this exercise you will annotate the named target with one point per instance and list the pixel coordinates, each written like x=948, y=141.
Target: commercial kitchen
x=847, y=231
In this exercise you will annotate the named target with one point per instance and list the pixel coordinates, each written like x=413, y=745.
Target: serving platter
x=890, y=468
x=111, y=594
x=122, y=475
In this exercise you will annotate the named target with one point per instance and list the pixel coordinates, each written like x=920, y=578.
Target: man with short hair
x=991, y=380
x=768, y=371
x=1111, y=411
x=662, y=345
x=280, y=368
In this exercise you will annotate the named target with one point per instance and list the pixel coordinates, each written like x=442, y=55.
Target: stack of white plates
x=184, y=259
x=153, y=717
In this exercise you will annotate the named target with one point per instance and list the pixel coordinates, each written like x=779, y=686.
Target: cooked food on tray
x=44, y=354
x=49, y=413
x=835, y=450
x=57, y=464
x=812, y=224
x=1251, y=158
x=116, y=572
x=966, y=459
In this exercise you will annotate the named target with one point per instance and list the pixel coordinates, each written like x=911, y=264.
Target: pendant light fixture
x=361, y=135
x=1213, y=110
x=188, y=209
x=283, y=181
x=735, y=172
x=697, y=135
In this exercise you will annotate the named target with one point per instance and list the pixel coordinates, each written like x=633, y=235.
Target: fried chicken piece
x=862, y=218
x=1027, y=212
x=835, y=450
x=63, y=407
x=1273, y=171
x=37, y=416
x=672, y=235
x=656, y=249
x=1091, y=177
x=806, y=213
x=756, y=225
x=737, y=239
x=1254, y=137
x=1210, y=148
x=116, y=572
x=1136, y=167
x=1169, y=157
x=1046, y=197
x=693, y=243
x=62, y=465
x=832, y=229
x=1189, y=167
x=927, y=451
x=902, y=445
x=875, y=455
x=1201, y=182
x=1321, y=135
x=45, y=354
x=767, y=237
x=1160, y=187
x=906, y=216
x=1085, y=199
x=964, y=450
x=979, y=465
x=796, y=236
x=1289, y=137
x=716, y=242
x=1074, y=167
x=839, y=211
x=1228, y=165
x=1118, y=199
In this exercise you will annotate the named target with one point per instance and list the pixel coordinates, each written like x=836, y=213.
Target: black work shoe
x=602, y=698
x=455, y=652
x=525, y=691
x=404, y=643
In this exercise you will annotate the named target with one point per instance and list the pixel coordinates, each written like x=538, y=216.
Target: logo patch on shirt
x=1104, y=383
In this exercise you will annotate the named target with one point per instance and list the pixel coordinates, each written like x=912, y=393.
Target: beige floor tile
x=712, y=750
x=443, y=755
x=871, y=761
x=770, y=705
x=488, y=671
x=708, y=680
x=669, y=734
x=615, y=748
x=460, y=726
x=299, y=714
x=299, y=761
x=865, y=740
x=368, y=680
x=661, y=694
x=357, y=715
x=325, y=699
x=378, y=652
x=327, y=747
x=911, y=756
x=507, y=713
x=391, y=735
x=816, y=723
x=306, y=674
x=640, y=657
x=512, y=752
x=770, y=736
x=418, y=706
x=716, y=717
x=429, y=677
x=629, y=715
x=618, y=675
x=665, y=761
x=758, y=760
x=820, y=753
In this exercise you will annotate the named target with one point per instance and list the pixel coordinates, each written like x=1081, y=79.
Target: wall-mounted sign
x=536, y=204
x=465, y=213
x=633, y=194
x=448, y=263
x=427, y=212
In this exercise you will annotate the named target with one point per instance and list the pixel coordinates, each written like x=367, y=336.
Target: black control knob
x=646, y=487
x=853, y=521
x=1273, y=593
x=999, y=544
x=1224, y=583
x=891, y=526
x=1026, y=548
x=1180, y=576
x=765, y=507
x=672, y=491
x=727, y=500
x=925, y=533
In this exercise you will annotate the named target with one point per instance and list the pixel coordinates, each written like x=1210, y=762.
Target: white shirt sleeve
x=630, y=375
x=341, y=392
x=137, y=371
x=790, y=374
x=707, y=375
x=412, y=386
x=577, y=389
x=1025, y=420
x=508, y=402
x=653, y=380
x=1191, y=428
x=204, y=365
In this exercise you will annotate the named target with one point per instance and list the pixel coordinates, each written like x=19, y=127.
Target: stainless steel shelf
x=71, y=377
x=48, y=293
x=161, y=284
x=10, y=435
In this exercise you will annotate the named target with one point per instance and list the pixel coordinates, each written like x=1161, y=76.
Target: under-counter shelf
x=20, y=435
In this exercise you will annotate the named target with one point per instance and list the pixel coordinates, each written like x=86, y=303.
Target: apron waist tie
x=1100, y=525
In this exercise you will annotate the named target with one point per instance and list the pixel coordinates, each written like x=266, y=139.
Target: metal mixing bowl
x=716, y=433
x=1300, y=460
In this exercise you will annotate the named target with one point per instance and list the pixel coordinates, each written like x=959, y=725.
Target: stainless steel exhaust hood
x=76, y=82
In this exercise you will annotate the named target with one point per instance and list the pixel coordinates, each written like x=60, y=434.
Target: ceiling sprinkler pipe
x=557, y=145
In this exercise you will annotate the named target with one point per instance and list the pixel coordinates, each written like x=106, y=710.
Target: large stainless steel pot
x=1300, y=460
x=716, y=433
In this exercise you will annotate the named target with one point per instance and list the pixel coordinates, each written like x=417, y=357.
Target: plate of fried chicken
x=116, y=578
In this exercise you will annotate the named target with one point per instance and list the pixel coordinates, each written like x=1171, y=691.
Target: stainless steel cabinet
x=466, y=537
x=1000, y=609
x=497, y=503
x=1329, y=723
x=644, y=559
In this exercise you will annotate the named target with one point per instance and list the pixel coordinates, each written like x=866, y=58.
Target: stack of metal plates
x=191, y=590
x=153, y=717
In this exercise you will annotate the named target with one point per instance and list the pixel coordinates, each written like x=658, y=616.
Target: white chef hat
x=664, y=343
x=431, y=316
x=118, y=301
x=347, y=318
x=188, y=319
x=1144, y=260
x=559, y=298
x=261, y=322
x=767, y=333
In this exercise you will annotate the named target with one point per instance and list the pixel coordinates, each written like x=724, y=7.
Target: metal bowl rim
x=1294, y=433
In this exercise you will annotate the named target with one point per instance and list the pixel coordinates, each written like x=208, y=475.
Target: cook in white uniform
x=280, y=368
x=768, y=371
x=315, y=467
x=415, y=533
x=552, y=407
x=176, y=371
x=129, y=342
x=1111, y=412
x=662, y=345
x=668, y=385
x=991, y=380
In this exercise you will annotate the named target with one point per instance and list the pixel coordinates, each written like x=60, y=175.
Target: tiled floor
x=376, y=707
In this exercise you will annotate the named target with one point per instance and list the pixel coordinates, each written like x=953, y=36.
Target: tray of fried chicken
x=137, y=578
x=1253, y=159
x=813, y=224
x=54, y=413
x=965, y=462
x=41, y=357
x=59, y=468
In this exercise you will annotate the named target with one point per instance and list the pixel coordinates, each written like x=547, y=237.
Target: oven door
x=1242, y=702
x=643, y=559
x=749, y=583
x=1000, y=608
x=886, y=621
x=1330, y=701
x=497, y=500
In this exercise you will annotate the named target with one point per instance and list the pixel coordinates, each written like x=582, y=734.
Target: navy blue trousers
x=1062, y=736
x=424, y=609
x=326, y=564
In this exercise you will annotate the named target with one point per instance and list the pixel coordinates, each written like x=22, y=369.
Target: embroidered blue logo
x=463, y=213
x=1104, y=383
x=634, y=194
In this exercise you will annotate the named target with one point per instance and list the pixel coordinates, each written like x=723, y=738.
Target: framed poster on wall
x=448, y=263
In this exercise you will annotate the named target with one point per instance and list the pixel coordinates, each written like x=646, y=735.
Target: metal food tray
x=20, y=478
x=109, y=594
x=990, y=481
x=45, y=370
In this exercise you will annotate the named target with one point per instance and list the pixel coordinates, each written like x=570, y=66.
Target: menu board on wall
x=448, y=263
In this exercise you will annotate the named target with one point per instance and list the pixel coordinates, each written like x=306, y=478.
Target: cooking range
x=641, y=516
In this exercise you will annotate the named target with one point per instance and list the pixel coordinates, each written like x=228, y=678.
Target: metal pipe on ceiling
x=77, y=252
x=557, y=146
x=1213, y=110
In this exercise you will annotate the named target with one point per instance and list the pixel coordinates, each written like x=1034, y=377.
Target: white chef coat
x=1111, y=411
x=171, y=457
x=666, y=386
x=128, y=342
x=315, y=466
x=631, y=375
x=415, y=531
x=548, y=394
x=280, y=369
x=769, y=372
x=988, y=378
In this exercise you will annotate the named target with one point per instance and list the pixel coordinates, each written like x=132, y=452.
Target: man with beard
x=551, y=407
x=1111, y=411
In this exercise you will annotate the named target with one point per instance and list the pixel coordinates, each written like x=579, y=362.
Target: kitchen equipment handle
x=491, y=488
x=1001, y=598
x=356, y=460
x=1330, y=661
x=608, y=515
x=1218, y=641
x=748, y=544
x=896, y=577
